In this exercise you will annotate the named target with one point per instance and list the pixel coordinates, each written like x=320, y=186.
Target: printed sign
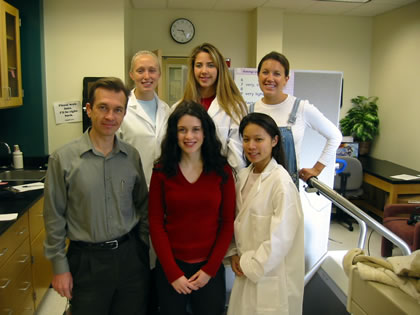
x=67, y=112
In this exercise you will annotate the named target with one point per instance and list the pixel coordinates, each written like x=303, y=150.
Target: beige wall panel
x=334, y=43
x=82, y=38
x=395, y=80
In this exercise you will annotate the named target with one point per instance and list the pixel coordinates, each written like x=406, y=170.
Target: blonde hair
x=142, y=53
x=227, y=93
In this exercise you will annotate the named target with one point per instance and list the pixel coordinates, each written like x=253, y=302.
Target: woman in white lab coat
x=144, y=125
x=211, y=85
x=267, y=254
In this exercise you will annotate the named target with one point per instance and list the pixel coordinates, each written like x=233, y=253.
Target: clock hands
x=187, y=35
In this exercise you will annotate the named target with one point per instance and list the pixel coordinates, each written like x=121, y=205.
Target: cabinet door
x=11, y=78
x=41, y=268
x=36, y=219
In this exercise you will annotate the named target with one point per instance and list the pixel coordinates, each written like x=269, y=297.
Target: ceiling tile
x=242, y=5
x=191, y=4
x=375, y=7
x=149, y=4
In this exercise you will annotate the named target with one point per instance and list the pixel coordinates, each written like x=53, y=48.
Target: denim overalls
x=287, y=143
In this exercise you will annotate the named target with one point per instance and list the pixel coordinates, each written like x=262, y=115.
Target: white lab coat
x=269, y=240
x=228, y=132
x=138, y=130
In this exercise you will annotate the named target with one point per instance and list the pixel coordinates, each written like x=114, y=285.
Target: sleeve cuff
x=60, y=266
x=250, y=268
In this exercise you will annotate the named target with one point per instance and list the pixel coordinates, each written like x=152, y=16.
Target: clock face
x=182, y=31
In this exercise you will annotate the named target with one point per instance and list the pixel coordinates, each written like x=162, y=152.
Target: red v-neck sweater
x=190, y=221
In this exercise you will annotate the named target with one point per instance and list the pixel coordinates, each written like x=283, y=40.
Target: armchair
x=395, y=219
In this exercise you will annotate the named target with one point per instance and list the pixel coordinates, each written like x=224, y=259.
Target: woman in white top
x=273, y=74
x=144, y=124
x=144, y=127
x=210, y=84
x=267, y=255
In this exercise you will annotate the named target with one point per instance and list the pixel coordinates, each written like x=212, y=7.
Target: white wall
x=269, y=32
x=395, y=80
x=335, y=43
x=98, y=38
x=228, y=31
x=82, y=38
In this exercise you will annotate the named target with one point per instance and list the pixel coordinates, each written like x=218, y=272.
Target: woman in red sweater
x=191, y=214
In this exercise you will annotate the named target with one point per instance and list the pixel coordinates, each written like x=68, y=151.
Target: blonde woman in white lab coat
x=210, y=84
x=144, y=125
x=268, y=249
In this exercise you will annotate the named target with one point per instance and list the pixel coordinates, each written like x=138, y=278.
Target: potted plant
x=362, y=122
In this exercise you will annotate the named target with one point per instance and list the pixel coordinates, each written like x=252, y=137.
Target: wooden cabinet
x=25, y=274
x=11, y=93
x=41, y=266
x=15, y=268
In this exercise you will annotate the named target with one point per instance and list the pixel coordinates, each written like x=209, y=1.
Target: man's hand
x=63, y=284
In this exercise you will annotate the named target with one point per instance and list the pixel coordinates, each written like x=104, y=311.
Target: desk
x=378, y=174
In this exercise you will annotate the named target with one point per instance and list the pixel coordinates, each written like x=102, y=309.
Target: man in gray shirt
x=96, y=196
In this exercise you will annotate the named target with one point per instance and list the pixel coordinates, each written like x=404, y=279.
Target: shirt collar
x=86, y=145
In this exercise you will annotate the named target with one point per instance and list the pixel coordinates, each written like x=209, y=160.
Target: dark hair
x=111, y=84
x=274, y=55
x=213, y=160
x=270, y=126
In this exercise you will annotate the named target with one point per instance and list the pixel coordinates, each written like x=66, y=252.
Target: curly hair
x=227, y=93
x=270, y=126
x=213, y=160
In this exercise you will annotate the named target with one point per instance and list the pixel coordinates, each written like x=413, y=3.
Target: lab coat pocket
x=261, y=227
x=268, y=294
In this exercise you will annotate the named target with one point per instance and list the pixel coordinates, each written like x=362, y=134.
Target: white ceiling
x=372, y=8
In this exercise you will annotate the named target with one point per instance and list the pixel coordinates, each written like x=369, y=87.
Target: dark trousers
x=110, y=281
x=209, y=300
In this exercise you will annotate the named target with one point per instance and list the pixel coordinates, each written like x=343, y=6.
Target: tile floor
x=340, y=240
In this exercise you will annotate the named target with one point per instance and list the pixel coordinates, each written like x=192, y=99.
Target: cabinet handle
x=6, y=283
x=4, y=251
x=22, y=232
x=24, y=260
x=28, y=285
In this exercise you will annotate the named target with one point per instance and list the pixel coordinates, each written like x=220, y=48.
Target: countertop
x=11, y=202
x=385, y=169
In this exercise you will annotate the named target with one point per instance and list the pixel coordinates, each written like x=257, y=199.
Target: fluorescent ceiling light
x=349, y=1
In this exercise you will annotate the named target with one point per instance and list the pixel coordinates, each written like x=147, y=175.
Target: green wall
x=26, y=125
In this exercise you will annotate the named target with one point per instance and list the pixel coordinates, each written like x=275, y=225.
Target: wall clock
x=182, y=30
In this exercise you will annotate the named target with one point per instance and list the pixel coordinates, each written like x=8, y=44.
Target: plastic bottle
x=17, y=157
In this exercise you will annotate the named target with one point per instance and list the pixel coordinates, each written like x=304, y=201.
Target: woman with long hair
x=210, y=84
x=267, y=254
x=191, y=213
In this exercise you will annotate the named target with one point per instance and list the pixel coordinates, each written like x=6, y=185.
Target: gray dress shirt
x=92, y=198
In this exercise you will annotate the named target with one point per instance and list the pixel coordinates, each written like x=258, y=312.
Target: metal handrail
x=359, y=215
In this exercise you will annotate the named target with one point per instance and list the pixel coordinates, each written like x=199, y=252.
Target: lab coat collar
x=137, y=109
x=214, y=108
x=243, y=175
